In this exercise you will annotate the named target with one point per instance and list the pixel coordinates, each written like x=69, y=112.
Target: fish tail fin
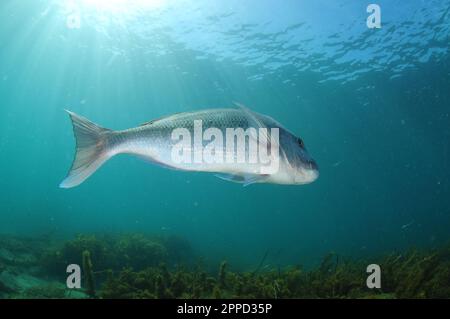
x=91, y=150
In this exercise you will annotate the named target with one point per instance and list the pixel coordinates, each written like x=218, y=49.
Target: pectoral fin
x=246, y=179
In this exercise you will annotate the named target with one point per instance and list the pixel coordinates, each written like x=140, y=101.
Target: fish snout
x=308, y=173
x=312, y=165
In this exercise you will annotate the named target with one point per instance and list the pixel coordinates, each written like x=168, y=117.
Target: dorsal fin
x=160, y=118
x=148, y=123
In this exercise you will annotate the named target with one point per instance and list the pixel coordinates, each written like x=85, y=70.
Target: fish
x=407, y=225
x=154, y=141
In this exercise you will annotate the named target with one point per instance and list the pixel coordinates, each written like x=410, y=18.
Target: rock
x=6, y=256
x=8, y=282
x=17, y=257
x=11, y=282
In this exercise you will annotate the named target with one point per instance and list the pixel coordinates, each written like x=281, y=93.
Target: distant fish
x=337, y=164
x=408, y=224
x=154, y=142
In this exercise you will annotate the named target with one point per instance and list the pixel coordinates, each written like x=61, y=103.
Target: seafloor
x=146, y=266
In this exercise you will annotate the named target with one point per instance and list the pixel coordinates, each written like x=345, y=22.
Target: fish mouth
x=307, y=163
x=308, y=172
x=311, y=165
x=306, y=176
x=314, y=174
x=304, y=169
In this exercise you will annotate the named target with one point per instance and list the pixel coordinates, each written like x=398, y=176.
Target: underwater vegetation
x=133, y=266
x=36, y=267
x=115, y=252
x=21, y=271
x=416, y=274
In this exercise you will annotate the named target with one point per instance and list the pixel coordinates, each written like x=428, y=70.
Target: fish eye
x=300, y=143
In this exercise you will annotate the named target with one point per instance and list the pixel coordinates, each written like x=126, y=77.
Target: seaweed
x=133, y=266
x=88, y=274
x=138, y=251
x=222, y=274
x=115, y=252
x=55, y=259
x=418, y=275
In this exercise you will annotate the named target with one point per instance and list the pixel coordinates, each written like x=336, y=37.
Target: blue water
x=372, y=106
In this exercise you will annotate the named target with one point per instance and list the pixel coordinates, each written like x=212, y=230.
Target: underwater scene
x=345, y=192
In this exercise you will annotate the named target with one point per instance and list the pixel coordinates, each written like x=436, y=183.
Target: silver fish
x=154, y=142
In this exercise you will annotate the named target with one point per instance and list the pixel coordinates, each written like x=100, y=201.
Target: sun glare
x=120, y=6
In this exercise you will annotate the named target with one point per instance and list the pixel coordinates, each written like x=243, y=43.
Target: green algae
x=115, y=252
x=88, y=274
x=419, y=274
x=135, y=266
x=414, y=275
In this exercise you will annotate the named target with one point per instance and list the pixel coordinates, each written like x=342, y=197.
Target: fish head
x=298, y=166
